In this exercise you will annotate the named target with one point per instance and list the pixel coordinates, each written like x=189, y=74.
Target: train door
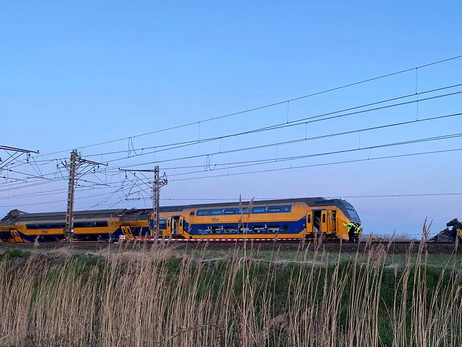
x=15, y=234
x=180, y=229
x=168, y=232
x=175, y=225
x=316, y=221
x=319, y=220
x=309, y=222
x=324, y=223
x=333, y=221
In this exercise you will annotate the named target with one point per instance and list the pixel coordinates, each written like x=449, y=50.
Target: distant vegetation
x=164, y=297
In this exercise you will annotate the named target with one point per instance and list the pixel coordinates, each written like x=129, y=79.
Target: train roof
x=20, y=216
x=309, y=201
x=16, y=215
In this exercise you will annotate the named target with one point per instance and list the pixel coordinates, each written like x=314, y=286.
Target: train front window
x=354, y=215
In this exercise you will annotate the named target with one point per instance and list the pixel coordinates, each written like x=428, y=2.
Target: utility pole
x=70, y=197
x=76, y=163
x=157, y=183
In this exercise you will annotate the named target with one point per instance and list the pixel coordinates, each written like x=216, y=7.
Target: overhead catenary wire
x=302, y=121
x=284, y=125
x=329, y=90
x=273, y=144
x=292, y=158
x=319, y=164
x=282, y=169
x=305, y=121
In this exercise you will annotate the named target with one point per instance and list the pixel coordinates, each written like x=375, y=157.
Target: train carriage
x=269, y=219
x=286, y=218
x=20, y=226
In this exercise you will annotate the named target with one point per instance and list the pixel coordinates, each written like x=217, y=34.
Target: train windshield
x=353, y=215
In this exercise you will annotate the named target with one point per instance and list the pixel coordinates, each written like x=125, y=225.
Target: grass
x=240, y=297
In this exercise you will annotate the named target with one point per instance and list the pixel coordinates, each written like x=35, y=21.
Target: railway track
x=263, y=245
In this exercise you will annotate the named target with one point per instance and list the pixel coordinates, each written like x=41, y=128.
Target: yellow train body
x=282, y=219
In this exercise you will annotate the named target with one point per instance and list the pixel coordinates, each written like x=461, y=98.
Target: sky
x=175, y=84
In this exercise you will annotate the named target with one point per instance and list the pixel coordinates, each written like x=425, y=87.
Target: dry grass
x=158, y=298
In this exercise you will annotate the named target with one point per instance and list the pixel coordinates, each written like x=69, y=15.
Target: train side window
x=273, y=209
x=245, y=210
x=191, y=213
x=259, y=210
x=215, y=212
x=203, y=212
x=230, y=211
x=287, y=208
x=273, y=228
x=258, y=228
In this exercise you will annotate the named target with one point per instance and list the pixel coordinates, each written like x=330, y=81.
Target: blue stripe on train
x=261, y=228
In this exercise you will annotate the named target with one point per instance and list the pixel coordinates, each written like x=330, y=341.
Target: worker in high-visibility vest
x=353, y=230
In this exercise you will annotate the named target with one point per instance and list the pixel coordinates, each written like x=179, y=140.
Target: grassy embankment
x=165, y=297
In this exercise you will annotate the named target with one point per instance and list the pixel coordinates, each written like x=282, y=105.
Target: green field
x=162, y=296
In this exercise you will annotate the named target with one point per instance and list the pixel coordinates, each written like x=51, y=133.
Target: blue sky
x=79, y=73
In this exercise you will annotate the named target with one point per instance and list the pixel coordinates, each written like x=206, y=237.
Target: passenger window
x=273, y=228
x=274, y=209
x=259, y=210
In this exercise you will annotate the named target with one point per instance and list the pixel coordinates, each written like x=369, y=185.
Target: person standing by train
x=354, y=230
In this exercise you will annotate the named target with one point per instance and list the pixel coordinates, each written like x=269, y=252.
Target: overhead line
x=304, y=139
x=283, y=169
x=398, y=195
x=320, y=164
x=302, y=123
x=270, y=105
x=298, y=122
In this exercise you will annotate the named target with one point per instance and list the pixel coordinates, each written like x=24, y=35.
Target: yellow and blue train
x=269, y=219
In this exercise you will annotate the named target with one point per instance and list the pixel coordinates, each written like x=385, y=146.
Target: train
x=296, y=218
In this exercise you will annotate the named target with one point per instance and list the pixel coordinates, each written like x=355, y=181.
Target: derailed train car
x=269, y=219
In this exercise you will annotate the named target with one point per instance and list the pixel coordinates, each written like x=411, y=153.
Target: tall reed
x=161, y=296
